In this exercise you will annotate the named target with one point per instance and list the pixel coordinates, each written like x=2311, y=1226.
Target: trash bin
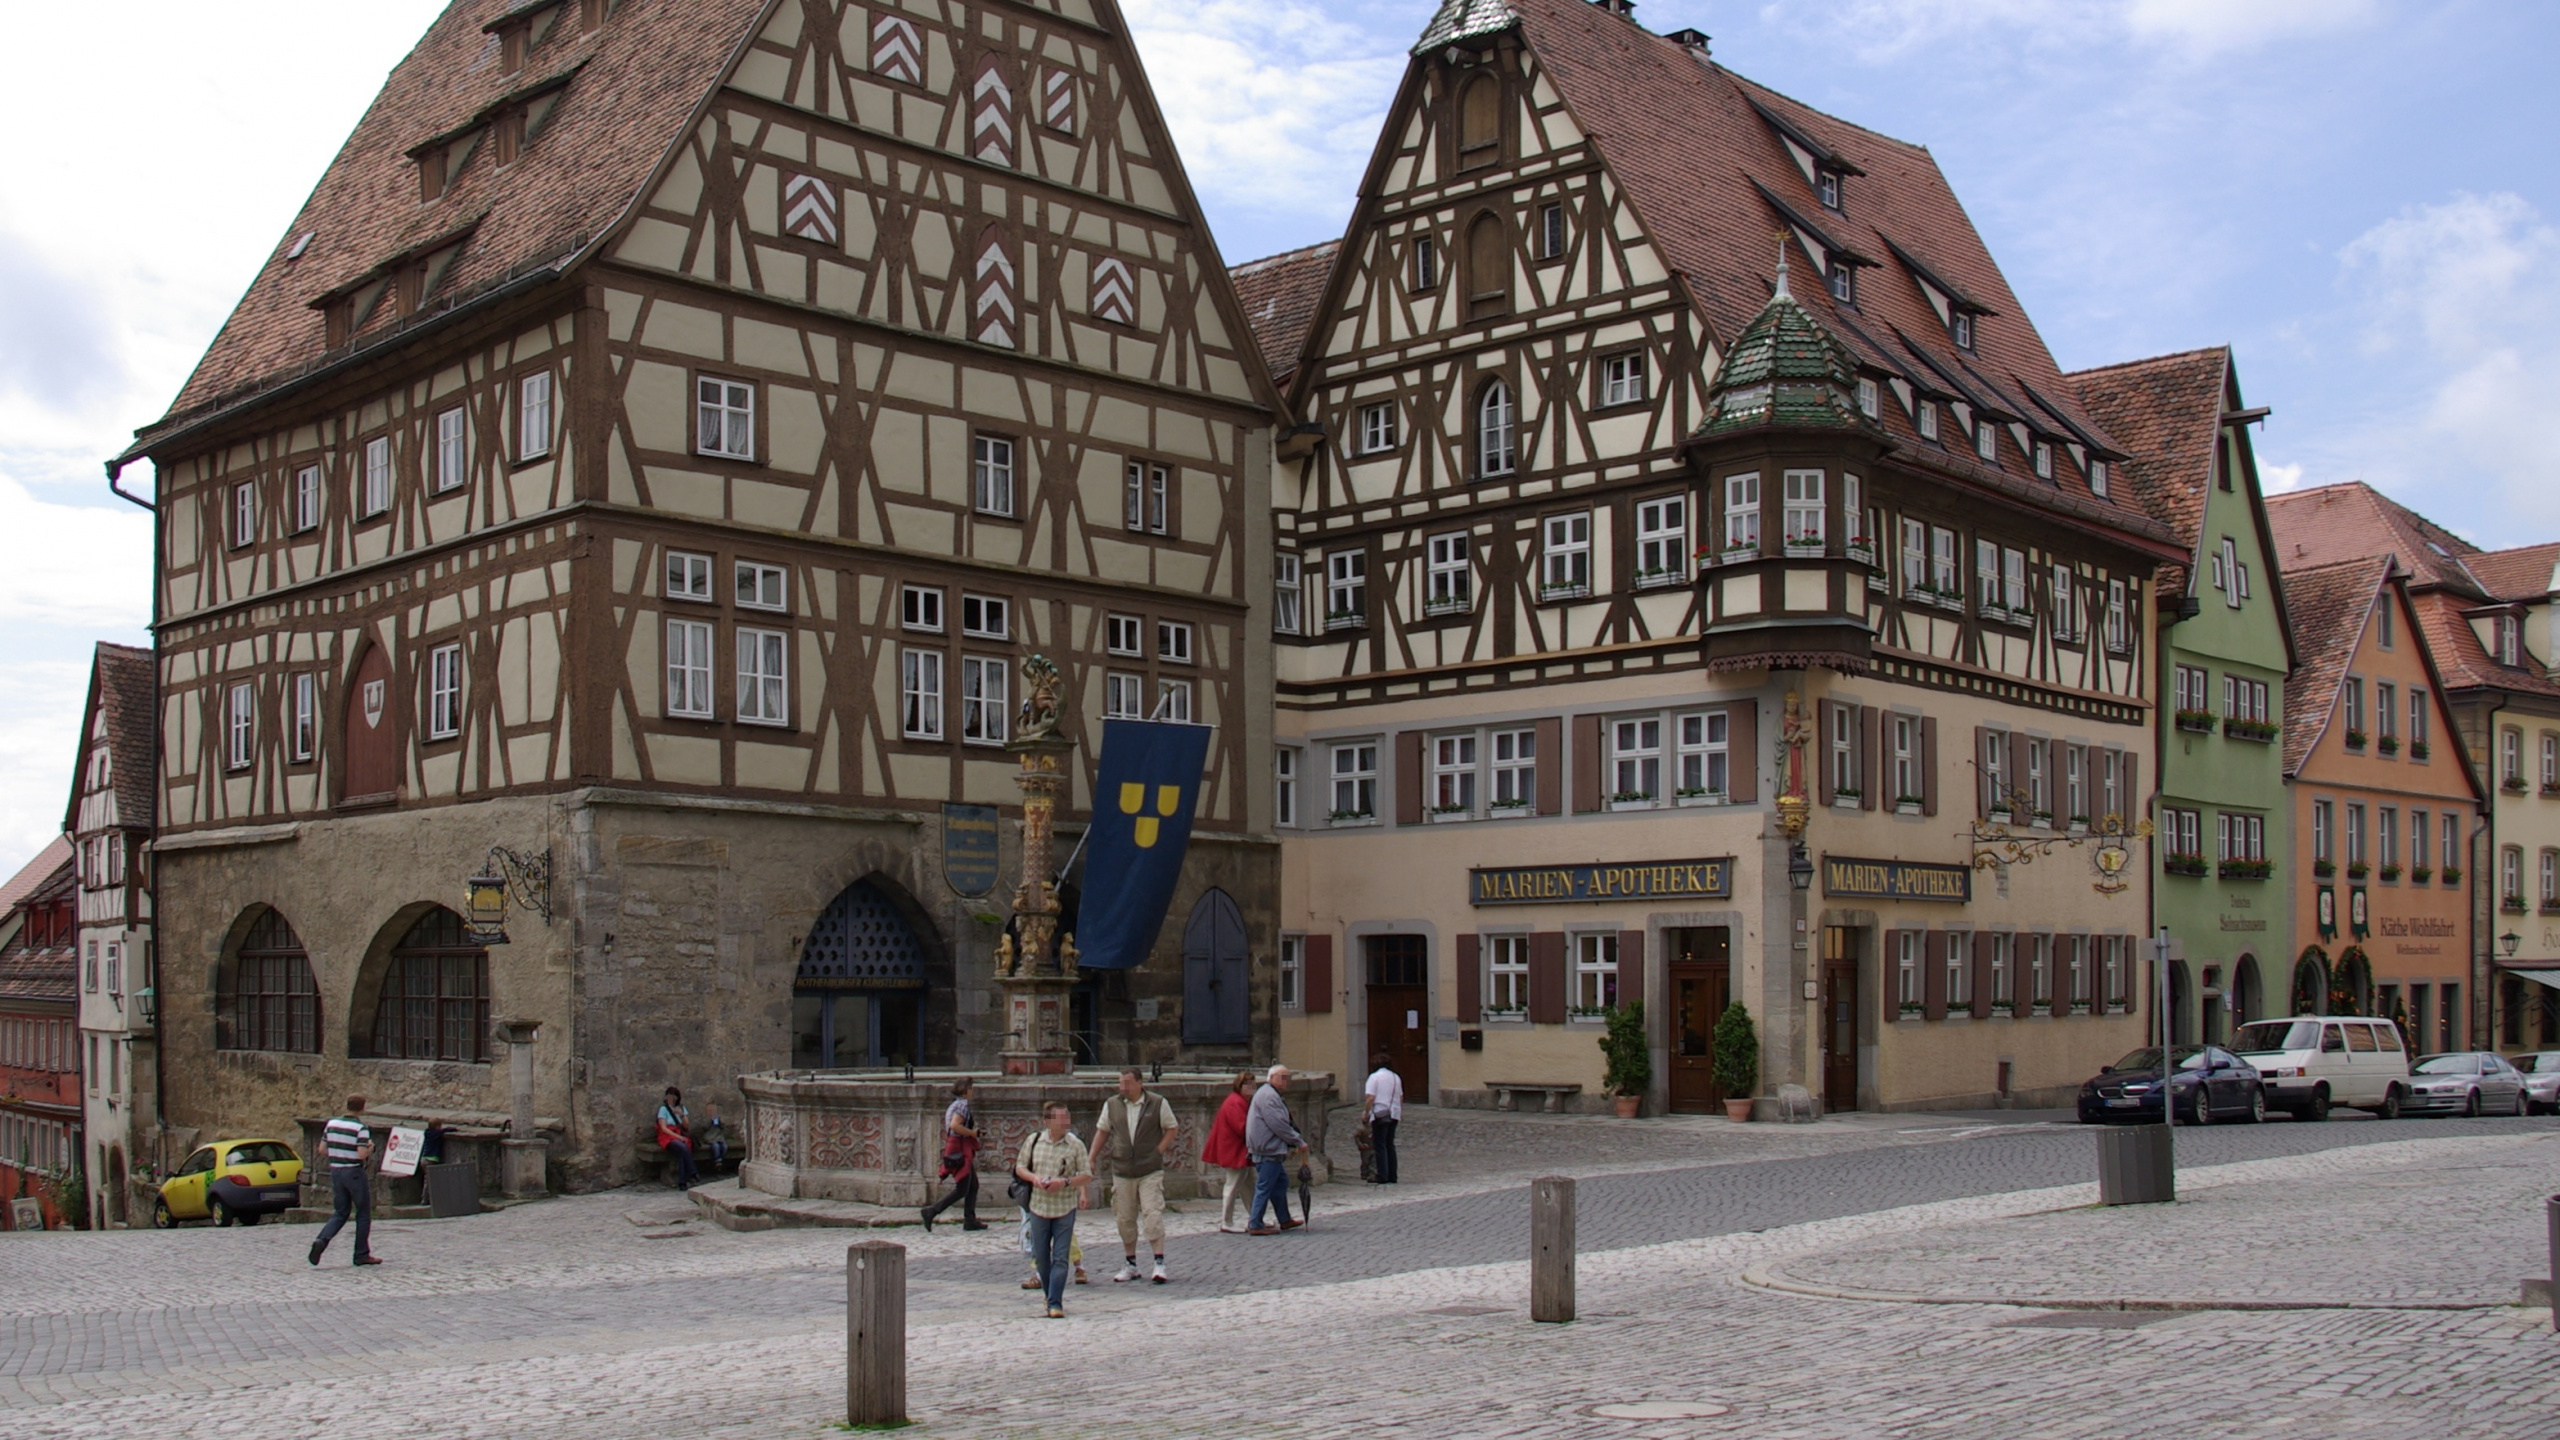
x=453, y=1190
x=2134, y=1165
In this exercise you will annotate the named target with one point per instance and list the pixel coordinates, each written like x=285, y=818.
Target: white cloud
x=2204, y=28
x=1878, y=30
x=39, y=727
x=2276, y=479
x=73, y=565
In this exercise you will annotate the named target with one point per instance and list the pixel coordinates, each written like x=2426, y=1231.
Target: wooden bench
x=1507, y=1096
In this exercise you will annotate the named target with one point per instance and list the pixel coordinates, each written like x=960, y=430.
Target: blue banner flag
x=1143, y=795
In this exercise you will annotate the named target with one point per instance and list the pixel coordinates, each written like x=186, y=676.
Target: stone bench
x=1507, y=1096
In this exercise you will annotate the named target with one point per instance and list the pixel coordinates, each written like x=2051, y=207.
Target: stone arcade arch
x=423, y=991
x=265, y=997
x=2311, y=982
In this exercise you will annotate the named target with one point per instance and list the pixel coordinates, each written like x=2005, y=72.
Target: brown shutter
x=1470, y=978
x=1933, y=973
x=1981, y=974
x=1981, y=775
x=1823, y=793
x=1550, y=766
x=1586, y=764
x=1889, y=987
x=2062, y=779
x=1928, y=764
x=1409, y=777
x=1871, y=765
x=1318, y=981
x=1546, y=977
x=2133, y=806
x=1630, y=966
x=1743, y=762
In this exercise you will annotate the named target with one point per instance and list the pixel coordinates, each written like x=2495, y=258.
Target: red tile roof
x=2523, y=573
x=634, y=82
x=53, y=859
x=2466, y=662
x=1280, y=294
x=2330, y=606
x=2354, y=520
x=122, y=681
x=2167, y=414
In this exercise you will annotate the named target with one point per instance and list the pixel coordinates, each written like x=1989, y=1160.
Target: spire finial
x=1781, y=237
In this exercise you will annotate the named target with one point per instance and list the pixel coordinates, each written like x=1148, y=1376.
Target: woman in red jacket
x=1226, y=1151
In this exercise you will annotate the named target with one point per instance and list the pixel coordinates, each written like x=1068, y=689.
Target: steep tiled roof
x=53, y=859
x=27, y=972
x=633, y=83
x=1784, y=368
x=2167, y=414
x=2329, y=605
x=2460, y=655
x=121, y=681
x=1280, y=294
x=2353, y=520
x=2523, y=573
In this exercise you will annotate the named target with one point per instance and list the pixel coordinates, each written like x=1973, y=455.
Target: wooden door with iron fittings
x=1839, y=1018
x=1399, y=1011
x=1697, y=986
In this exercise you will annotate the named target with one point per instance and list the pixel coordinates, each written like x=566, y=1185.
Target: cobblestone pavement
x=603, y=1315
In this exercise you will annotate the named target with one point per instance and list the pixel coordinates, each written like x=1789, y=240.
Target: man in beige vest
x=1136, y=1132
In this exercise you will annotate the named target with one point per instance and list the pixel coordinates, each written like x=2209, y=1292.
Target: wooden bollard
x=875, y=1333
x=1551, y=1250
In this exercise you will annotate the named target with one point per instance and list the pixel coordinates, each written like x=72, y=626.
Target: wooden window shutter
x=1889, y=988
x=1470, y=978
x=1933, y=973
x=1316, y=986
x=1982, y=972
x=1409, y=777
x=1550, y=769
x=991, y=114
x=1823, y=793
x=1630, y=967
x=1742, y=733
x=1488, y=267
x=1546, y=978
x=992, y=315
x=1928, y=765
x=1586, y=763
x=2133, y=806
x=1871, y=769
x=1982, y=796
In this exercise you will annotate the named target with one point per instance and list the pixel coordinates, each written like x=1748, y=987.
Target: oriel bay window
x=1741, y=515
x=1355, y=781
x=1804, y=512
x=1453, y=775
x=1595, y=972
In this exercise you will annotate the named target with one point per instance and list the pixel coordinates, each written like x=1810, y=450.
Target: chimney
x=1695, y=41
x=1623, y=9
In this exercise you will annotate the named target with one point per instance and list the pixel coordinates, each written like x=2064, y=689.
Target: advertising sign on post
x=400, y=1157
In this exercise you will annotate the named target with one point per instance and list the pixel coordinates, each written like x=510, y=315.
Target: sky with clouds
x=2360, y=197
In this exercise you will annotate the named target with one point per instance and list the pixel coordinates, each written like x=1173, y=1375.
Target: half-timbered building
x=653, y=450
x=40, y=1044
x=1656, y=627
x=109, y=822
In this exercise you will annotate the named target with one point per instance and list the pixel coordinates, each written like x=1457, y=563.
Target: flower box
x=2357, y=869
x=2041, y=1012
x=1351, y=817
x=2355, y=739
x=1496, y=1017
x=1806, y=550
x=2258, y=730
x=2246, y=869
x=1655, y=579
x=1739, y=555
x=2390, y=872
x=2513, y=784
x=1447, y=607
x=1911, y=1011
x=2417, y=749
x=2323, y=869
x=2513, y=905
x=2388, y=745
x=2079, y=1007
x=1346, y=620
x=1564, y=592
x=2422, y=873
x=1633, y=800
x=1860, y=551
x=2199, y=721
x=1503, y=808
x=2182, y=865
x=1442, y=814
x=1699, y=797
x=2452, y=875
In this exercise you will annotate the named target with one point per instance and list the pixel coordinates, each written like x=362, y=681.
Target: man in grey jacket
x=1270, y=1137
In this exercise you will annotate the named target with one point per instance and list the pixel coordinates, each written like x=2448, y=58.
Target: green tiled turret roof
x=1465, y=20
x=1784, y=369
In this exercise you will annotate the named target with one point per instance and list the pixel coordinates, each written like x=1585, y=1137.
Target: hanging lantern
x=486, y=907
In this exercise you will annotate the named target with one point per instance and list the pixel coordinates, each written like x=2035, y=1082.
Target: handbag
x=1019, y=1192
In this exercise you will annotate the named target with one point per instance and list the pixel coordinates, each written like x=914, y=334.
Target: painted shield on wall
x=969, y=849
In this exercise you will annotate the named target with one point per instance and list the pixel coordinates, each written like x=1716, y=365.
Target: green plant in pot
x=1737, y=1060
x=1626, y=1058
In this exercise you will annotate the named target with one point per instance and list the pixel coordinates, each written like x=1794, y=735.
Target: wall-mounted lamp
x=505, y=875
x=1799, y=867
x=2510, y=941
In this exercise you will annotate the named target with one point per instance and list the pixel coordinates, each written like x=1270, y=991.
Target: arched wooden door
x=371, y=748
x=1217, y=1008
x=858, y=997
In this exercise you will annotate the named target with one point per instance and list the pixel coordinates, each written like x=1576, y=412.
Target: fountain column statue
x=1035, y=965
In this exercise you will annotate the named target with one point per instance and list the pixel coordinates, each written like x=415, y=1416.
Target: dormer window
x=1960, y=329
x=1870, y=397
x=431, y=173
x=507, y=136
x=1844, y=282
x=1826, y=184
x=2098, y=477
x=513, y=42
x=1927, y=419
x=2044, y=460
x=2507, y=643
x=1986, y=441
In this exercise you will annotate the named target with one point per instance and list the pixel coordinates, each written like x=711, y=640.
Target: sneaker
x=1055, y=1313
x=1264, y=1230
x=1127, y=1273
x=1160, y=1277
x=315, y=1252
x=1080, y=1276
x=368, y=1259
x=1031, y=1284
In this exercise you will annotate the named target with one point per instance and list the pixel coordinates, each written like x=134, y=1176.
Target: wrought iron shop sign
x=1844, y=878
x=1584, y=884
x=969, y=848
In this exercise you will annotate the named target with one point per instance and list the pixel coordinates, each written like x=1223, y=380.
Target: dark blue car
x=2211, y=1084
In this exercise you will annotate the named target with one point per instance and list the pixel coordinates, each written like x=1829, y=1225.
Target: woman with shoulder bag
x=959, y=1160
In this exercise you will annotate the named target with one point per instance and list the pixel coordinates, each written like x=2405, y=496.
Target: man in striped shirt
x=349, y=1145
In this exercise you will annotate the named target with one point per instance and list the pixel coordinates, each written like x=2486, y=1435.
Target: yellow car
x=230, y=1180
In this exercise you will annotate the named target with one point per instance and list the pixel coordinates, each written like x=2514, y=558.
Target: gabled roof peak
x=1459, y=20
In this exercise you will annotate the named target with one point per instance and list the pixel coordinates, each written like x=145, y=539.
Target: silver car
x=2541, y=1080
x=2465, y=1082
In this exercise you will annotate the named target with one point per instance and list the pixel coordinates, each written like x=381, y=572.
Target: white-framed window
x=244, y=513
x=1173, y=641
x=1426, y=263
x=1497, y=449
x=2323, y=828
x=1284, y=785
x=762, y=587
x=1986, y=440
x=2244, y=837
x=1915, y=557
x=2004, y=983
x=1293, y=974
x=2550, y=760
x=1996, y=777
x=1826, y=187
x=1595, y=971
x=2510, y=755
x=1146, y=501
x=2076, y=948
x=1704, y=754
x=764, y=696
x=1448, y=584
x=306, y=499
x=1742, y=512
x=688, y=576
x=2075, y=784
x=1622, y=378
x=2013, y=580
x=2504, y=639
x=2044, y=459
x=2066, y=612
x=2039, y=780
x=1907, y=779
x=1515, y=770
x=2355, y=832
x=444, y=692
x=1377, y=427
x=1346, y=589
x=2111, y=782
x=1959, y=960
x=1842, y=747
x=2386, y=712
x=2419, y=830
x=1124, y=696
x=377, y=475
x=1635, y=759
x=453, y=450
x=1843, y=279
x=1288, y=594
x=1173, y=701
x=1942, y=562
x=982, y=700
x=533, y=418
x=1804, y=510
x=2418, y=712
x=689, y=669
x=1453, y=774
x=1564, y=554
x=2098, y=477
x=2040, y=972
x=2119, y=618
x=1123, y=635
x=2182, y=833
x=986, y=617
x=1355, y=781
x=1551, y=232
x=1870, y=397
x=1925, y=418
x=1906, y=968
x=920, y=608
x=305, y=728
x=1986, y=574
x=991, y=475
x=724, y=418
x=2452, y=851
x=920, y=693
x=1506, y=975
x=1856, y=530
x=1662, y=540
x=1960, y=329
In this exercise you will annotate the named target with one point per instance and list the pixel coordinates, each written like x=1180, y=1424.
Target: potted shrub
x=1626, y=1059
x=1737, y=1060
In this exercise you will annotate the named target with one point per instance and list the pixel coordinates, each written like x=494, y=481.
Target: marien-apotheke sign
x=1844, y=878
x=1583, y=884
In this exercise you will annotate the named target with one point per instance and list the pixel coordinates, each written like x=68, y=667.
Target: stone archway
x=2311, y=982
x=872, y=982
x=2182, y=1022
x=2351, y=983
x=2245, y=997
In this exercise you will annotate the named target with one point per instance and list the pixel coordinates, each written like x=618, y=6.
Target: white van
x=2311, y=1062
